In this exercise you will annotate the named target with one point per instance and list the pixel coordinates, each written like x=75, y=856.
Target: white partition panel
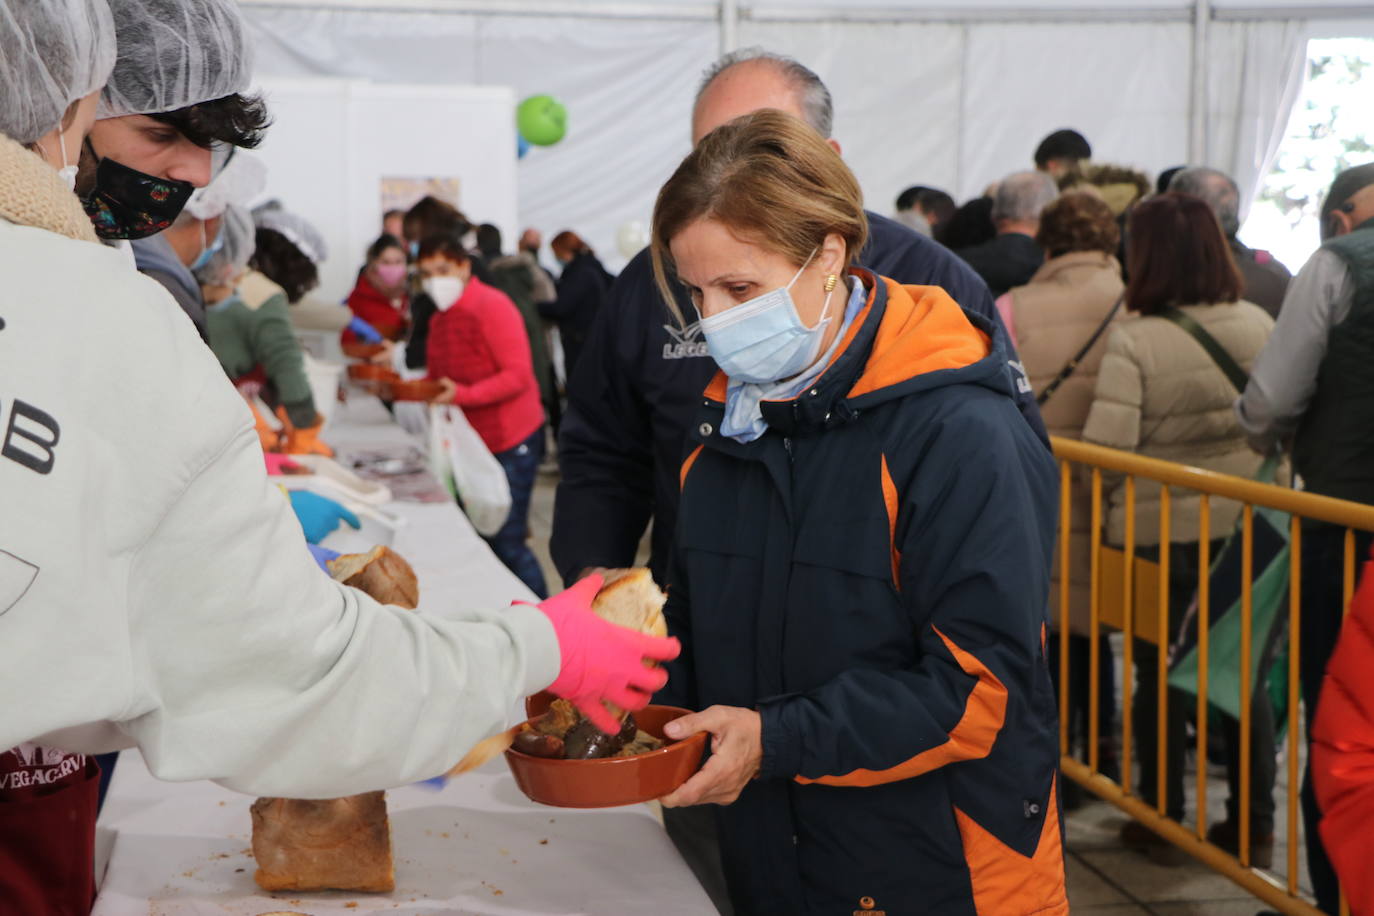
x=334, y=140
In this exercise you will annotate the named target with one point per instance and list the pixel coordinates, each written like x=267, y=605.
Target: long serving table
x=477, y=846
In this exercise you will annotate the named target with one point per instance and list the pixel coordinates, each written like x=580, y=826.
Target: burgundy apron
x=47, y=831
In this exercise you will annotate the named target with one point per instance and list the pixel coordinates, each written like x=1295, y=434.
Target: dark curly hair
x=236, y=120
x=432, y=216
x=1078, y=221
x=284, y=264
x=443, y=244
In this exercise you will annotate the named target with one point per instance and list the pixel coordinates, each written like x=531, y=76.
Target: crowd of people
x=837, y=425
x=1100, y=283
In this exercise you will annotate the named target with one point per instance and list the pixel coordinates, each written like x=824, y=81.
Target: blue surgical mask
x=764, y=340
x=207, y=251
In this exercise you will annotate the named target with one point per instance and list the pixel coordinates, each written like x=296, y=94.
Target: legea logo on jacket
x=686, y=342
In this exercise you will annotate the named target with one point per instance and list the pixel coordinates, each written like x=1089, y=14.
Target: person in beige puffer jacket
x=1071, y=301
x=1159, y=393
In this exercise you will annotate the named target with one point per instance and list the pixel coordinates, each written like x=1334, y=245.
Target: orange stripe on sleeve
x=1004, y=881
x=970, y=739
x=890, y=500
x=687, y=466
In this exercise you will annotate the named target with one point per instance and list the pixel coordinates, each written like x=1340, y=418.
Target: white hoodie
x=155, y=588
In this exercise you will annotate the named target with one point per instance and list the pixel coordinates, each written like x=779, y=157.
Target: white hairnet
x=52, y=53
x=297, y=231
x=241, y=179
x=237, y=233
x=175, y=53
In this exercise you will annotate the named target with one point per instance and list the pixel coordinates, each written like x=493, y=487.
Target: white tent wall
x=1255, y=72
x=627, y=83
x=953, y=95
x=336, y=139
x=1123, y=85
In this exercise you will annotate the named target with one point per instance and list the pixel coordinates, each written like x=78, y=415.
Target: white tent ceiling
x=951, y=94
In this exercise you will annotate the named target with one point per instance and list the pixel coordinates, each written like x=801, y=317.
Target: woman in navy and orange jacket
x=862, y=559
x=477, y=346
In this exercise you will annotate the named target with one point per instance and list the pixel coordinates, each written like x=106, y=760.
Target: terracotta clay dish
x=359, y=350
x=368, y=372
x=608, y=782
x=421, y=389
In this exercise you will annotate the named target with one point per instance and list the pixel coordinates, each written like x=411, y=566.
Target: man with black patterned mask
x=155, y=141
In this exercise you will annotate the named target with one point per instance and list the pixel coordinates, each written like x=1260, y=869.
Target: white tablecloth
x=476, y=847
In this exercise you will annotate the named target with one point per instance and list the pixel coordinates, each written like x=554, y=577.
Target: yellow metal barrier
x=1132, y=595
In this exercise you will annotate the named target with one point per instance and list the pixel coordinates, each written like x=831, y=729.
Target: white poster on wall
x=340, y=152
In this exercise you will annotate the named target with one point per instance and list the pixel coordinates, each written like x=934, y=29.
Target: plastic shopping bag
x=463, y=463
x=1269, y=613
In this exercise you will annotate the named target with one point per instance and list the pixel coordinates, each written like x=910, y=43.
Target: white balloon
x=630, y=238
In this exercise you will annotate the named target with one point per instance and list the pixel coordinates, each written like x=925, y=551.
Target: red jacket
x=1343, y=750
x=376, y=309
x=480, y=343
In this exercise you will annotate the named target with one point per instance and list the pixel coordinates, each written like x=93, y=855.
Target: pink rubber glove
x=281, y=464
x=602, y=661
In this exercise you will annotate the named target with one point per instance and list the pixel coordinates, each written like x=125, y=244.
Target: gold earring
x=830, y=282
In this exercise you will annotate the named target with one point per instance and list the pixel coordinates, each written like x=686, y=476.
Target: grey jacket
x=1285, y=374
x=156, y=258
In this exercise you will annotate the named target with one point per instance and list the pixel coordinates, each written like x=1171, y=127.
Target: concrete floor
x=1104, y=878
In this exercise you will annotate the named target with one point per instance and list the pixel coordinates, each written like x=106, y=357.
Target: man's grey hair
x=816, y=104
x=1022, y=196
x=1217, y=190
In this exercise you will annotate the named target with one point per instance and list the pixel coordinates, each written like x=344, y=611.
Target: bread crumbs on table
x=237, y=870
x=444, y=834
x=543, y=842
x=221, y=804
x=350, y=906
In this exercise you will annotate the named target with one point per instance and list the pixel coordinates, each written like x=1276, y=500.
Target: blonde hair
x=772, y=180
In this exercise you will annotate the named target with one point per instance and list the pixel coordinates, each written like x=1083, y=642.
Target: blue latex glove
x=323, y=555
x=364, y=330
x=319, y=515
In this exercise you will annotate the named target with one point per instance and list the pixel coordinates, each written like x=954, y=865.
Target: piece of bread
x=630, y=598
x=382, y=573
x=336, y=844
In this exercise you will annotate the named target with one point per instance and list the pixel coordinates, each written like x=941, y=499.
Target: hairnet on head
x=237, y=233
x=52, y=52
x=175, y=53
x=297, y=231
x=240, y=180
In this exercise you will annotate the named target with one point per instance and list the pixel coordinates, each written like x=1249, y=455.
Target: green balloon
x=542, y=120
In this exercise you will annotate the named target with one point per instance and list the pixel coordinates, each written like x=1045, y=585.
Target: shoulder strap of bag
x=1228, y=366
x=1072, y=364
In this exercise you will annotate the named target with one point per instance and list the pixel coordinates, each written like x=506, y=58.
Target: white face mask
x=68, y=172
x=445, y=291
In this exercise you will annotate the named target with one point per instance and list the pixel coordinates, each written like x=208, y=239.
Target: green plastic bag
x=1269, y=605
